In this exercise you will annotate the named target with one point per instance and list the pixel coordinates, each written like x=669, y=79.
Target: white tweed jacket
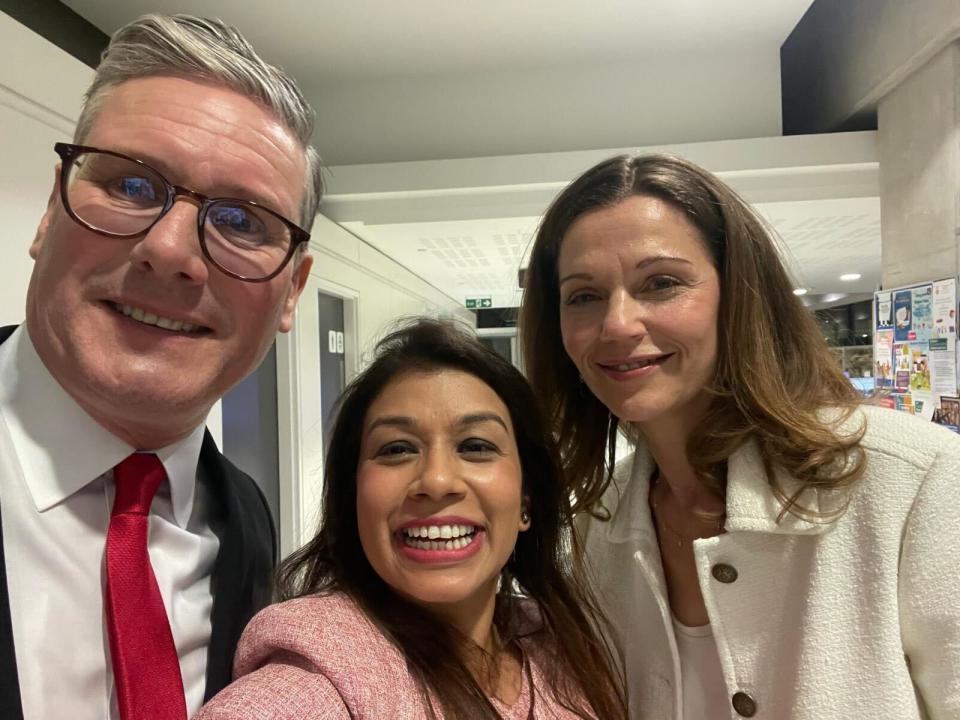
x=856, y=619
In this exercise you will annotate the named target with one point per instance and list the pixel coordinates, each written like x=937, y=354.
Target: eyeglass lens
x=119, y=197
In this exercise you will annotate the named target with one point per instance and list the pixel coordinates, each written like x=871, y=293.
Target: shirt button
x=745, y=705
x=724, y=573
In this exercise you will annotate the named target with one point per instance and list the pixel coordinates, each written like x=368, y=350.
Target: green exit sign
x=479, y=303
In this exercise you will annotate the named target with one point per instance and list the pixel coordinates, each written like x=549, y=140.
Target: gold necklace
x=659, y=520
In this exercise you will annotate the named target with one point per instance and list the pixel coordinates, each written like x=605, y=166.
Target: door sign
x=335, y=342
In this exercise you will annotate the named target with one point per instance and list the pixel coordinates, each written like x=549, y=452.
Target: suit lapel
x=242, y=574
x=10, y=704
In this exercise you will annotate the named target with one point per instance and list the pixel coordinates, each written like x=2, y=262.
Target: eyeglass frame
x=69, y=152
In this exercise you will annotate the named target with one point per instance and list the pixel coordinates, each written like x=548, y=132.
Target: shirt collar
x=61, y=448
x=751, y=503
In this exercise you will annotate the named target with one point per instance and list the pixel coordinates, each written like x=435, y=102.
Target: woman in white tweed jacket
x=772, y=548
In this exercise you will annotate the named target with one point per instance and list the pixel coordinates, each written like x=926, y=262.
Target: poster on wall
x=902, y=315
x=901, y=358
x=884, y=318
x=922, y=321
x=916, y=352
x=945, y=309
x=943, y=366
x=883, y=359
x=948, y=414
x=919, y=367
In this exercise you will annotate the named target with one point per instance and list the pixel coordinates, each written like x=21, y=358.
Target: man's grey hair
x=211, y=51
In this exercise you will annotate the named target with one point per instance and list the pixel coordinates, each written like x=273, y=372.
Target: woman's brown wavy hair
x=775, y=375
x=582, y=675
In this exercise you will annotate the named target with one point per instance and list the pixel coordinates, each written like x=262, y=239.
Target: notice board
x=915, y=350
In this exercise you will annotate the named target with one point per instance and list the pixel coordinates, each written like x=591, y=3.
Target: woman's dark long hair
x=541, y=567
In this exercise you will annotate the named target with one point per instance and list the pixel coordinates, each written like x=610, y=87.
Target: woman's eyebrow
x=480, y=417
x=650, y=260
x=661, y=258
x=402, y=421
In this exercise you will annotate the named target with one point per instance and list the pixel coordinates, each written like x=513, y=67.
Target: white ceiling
x=463, y=227
x=317, y=39
x=430, y=79
x=821, y=240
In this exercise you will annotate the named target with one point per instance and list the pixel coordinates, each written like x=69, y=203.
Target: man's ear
x=52, y=203
x=299, y=279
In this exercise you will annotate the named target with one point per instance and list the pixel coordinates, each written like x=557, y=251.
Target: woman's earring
x=524, y=517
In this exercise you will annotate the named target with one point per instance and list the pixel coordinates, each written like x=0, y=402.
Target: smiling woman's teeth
x=151, y=319
x=439, y=537
x=624, y=367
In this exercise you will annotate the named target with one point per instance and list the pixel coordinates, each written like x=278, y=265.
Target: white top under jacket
x=704, y=689
x=859, y=618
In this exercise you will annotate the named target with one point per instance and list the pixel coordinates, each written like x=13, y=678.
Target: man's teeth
x=151, y=319
x=439, y=537
x=624, y=367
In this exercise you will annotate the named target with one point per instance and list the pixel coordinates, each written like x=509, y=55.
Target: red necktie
x=146, y=669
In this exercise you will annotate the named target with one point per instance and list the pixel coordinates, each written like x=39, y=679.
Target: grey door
x=250, y=439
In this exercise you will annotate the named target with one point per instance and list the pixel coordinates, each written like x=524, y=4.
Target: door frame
x=299, y=422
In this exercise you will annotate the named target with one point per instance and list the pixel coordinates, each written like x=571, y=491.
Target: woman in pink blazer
x=438, y=585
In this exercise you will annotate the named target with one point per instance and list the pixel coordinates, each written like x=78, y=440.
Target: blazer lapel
x=242, y=573
x=10, y=704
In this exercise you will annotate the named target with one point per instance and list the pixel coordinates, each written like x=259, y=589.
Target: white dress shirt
x=56, y=495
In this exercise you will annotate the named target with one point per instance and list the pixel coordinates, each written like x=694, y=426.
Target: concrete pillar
x=919, y=152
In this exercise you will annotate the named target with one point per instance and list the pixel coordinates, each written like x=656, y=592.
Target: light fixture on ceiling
x=850, y=277
x=800, y=291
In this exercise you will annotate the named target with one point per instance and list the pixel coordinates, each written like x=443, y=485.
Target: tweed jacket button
x=724, y=573
x=745, y=705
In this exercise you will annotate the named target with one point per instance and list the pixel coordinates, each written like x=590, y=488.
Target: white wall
x=40, y=94
x=385, y=289
x=377, y=291
x=556, y=109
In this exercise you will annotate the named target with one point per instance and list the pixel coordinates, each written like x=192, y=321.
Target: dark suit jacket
x=240, y=582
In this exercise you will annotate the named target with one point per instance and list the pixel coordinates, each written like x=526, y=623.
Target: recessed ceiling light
x=800, y=291
x=850, y=277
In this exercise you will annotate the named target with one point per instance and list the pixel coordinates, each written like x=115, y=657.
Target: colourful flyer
x=901, y=358
x=883, y=307
x=922, y=321
x=945, y=308
x=919, y=367
x=903, y=315
x=883, y=359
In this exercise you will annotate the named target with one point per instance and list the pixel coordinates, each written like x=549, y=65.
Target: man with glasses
x=171, y=252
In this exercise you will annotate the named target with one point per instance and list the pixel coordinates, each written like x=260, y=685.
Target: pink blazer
x=321, y=658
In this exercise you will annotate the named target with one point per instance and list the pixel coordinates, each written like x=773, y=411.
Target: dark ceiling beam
x=844, y=56
x=60, y=25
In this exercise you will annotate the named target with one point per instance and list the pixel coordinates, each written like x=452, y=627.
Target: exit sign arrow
x=478, y=303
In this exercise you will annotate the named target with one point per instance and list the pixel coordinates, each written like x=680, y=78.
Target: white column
x=919, y=151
